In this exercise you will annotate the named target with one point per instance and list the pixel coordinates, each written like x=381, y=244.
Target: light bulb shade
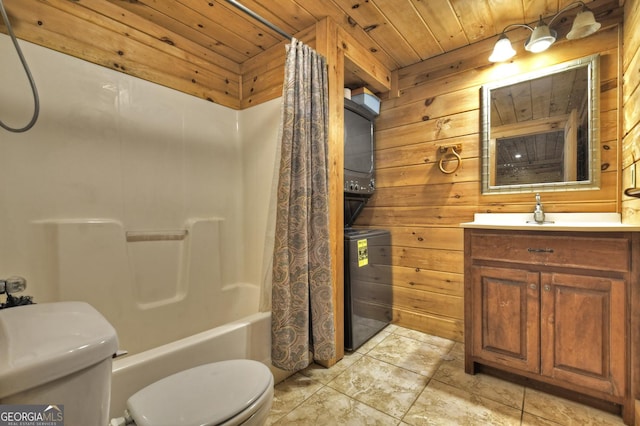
x=540, y=39
x=503, y=50
x=584, y=25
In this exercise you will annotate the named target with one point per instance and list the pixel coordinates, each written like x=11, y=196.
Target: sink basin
x=553, y=221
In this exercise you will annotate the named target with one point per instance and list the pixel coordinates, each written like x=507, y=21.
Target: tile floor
x=404, y=377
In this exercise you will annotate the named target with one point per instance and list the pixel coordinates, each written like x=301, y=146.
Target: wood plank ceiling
x=398, y=33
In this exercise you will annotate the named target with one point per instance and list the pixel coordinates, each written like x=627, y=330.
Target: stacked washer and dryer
x=367, y=252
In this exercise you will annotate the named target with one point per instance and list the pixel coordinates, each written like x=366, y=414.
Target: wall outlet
x=632, y=170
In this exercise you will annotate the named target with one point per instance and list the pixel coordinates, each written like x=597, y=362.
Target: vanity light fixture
x=542, y=36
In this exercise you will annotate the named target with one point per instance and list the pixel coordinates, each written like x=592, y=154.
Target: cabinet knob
x=533, y=286
x=547, y=288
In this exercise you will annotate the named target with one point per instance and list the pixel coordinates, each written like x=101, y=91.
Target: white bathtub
x=176, y=297
x=249, y=338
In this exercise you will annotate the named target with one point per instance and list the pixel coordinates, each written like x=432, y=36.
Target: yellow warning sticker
x=363, y=253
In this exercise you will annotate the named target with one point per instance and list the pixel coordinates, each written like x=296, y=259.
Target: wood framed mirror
x=540, y=130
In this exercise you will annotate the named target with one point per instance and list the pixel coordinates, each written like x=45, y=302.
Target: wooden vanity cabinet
x=553, y=307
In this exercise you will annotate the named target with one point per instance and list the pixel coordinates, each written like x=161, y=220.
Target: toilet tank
x=57, y=354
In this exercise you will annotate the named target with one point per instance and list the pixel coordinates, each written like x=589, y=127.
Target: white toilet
x=60, y=354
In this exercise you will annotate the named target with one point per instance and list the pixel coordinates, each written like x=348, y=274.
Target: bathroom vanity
x=552, y=303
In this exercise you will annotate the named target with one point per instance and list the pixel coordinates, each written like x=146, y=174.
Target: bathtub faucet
x=12, y=285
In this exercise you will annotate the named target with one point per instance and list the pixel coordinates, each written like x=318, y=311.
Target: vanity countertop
x=577, y=222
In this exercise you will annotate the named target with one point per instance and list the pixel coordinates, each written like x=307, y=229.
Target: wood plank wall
x=438, y=104
x=631, y=156
x=631, y=108
x=262, y=75
x=110, y=35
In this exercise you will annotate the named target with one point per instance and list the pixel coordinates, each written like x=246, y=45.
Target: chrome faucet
x=12, y=285
x=538, y=213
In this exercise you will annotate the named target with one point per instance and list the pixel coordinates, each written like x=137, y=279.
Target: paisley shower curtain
x=302, y=324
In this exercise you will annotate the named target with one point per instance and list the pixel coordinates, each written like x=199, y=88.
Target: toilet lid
x=206, y=395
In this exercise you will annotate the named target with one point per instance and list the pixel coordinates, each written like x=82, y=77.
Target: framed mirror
x=540, y=130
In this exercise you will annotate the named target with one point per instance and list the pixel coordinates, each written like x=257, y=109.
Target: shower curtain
x=302, y=303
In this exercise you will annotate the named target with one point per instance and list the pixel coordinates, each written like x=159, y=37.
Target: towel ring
x=448, y=151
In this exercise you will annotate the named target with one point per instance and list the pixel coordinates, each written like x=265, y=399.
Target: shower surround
x=143, y=201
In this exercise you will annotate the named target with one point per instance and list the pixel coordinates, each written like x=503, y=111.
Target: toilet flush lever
x=119, y=353
x=13, y=285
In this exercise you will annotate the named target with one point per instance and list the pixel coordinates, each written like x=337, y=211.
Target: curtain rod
x=260, y=18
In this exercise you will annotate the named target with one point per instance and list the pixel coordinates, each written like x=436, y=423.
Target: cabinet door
x=583, y=331
x=506, y=317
